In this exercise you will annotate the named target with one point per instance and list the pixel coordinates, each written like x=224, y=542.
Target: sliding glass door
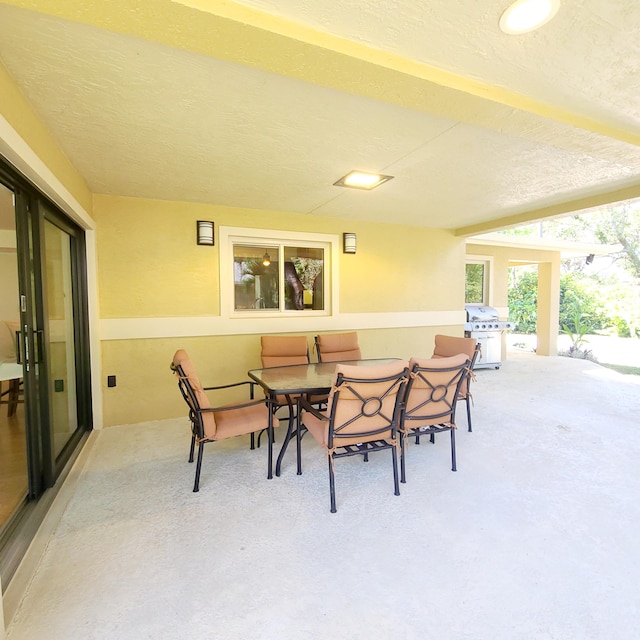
x=14, y=471
x=62, y=335
x=44, y=301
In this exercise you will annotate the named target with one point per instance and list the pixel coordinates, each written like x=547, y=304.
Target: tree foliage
x=608, y=292
x=578, y=300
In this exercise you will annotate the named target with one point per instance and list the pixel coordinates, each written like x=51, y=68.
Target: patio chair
x=209, y=423
x=361, y=417
x=338, y=347
x=282, y=351
x=430, y=401
x=447, y=346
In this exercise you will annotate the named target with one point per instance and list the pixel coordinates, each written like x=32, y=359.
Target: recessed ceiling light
x=526, y=15
x=362, y=180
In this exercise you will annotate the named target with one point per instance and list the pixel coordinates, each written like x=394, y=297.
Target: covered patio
x=535, y=536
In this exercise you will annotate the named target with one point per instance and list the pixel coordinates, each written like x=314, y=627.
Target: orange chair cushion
x=336, y=347
x=350, y=405
x=281, y=351
x=421, y=392
x=447, y=346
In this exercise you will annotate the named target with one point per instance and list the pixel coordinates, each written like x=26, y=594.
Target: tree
x=613, y=279
x=619, y=224
x=578, y=299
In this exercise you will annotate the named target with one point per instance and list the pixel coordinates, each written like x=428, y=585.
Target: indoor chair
x=447, y=346
x=210, y=424
x=10, y=367
x=338, y=347
x=361, y=416
x=430, y=401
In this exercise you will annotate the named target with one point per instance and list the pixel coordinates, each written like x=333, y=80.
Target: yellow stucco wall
x=150, y=267
x=147, y=390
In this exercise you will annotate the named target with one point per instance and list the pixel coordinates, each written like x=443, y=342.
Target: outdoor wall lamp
x=349, y=241
x=205, y=232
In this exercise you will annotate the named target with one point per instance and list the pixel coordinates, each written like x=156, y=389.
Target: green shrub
x=579, y=298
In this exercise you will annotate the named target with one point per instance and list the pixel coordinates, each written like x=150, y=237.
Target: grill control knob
x=484, y=326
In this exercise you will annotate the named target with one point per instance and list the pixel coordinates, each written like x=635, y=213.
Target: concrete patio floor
x=535, y=537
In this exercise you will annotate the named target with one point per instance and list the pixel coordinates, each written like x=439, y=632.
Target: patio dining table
x=313, y=379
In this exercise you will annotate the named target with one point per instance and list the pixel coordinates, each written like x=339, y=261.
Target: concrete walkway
x=606, y=349
x=535, y=536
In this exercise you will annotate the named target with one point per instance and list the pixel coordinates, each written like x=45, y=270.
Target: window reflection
x=266, y=274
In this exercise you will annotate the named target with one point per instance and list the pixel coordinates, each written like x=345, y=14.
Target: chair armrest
x=304, y=404
x=251, y=383
x=233, y=407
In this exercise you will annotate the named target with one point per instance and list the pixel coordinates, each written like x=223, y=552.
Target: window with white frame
x=477, y=284
x=270, y=273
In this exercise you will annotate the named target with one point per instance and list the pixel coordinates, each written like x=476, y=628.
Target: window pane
x=474, y=284
x=255, y=275
x=304, y=278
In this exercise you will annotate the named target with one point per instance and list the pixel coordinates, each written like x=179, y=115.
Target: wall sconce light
x=266, y=259
x=205, y=232
x=349, y=242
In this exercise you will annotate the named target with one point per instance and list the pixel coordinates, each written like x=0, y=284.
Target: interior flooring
x=13, y=461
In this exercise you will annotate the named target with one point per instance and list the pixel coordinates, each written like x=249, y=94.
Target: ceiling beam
x=552, y=211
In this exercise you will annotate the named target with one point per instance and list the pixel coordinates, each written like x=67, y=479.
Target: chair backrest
x=280, y=351
x=200, y=413
x=433, y=389
x=447, y=346
x=364, y=403
x=337, y=347
x=8, y=349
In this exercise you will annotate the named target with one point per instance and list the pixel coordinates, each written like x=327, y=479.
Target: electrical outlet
x=111, y=381
x=58, y=385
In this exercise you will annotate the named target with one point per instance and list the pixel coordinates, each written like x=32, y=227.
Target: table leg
x=287, y=438
x=270, y=445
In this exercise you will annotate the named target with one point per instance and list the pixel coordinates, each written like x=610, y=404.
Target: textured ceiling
x=265, y=104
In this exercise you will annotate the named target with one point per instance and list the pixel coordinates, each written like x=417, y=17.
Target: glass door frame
x=52, y=465
x=45, y=471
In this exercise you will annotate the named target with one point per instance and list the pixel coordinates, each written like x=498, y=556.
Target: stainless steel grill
x=484, y=325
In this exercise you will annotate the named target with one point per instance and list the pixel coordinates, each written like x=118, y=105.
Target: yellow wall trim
x=135, y=328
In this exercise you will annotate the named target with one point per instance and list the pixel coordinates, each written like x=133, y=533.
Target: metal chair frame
x=468, y=398
x=197, y=425
x=438, y=419
x=371, y=407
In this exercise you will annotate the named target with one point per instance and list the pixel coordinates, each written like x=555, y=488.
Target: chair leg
x=196, y=484
x=366, y=453
x=253, y=440
x=287, y=439
x=192, y=448
x=468, y=412
x=14, y=390
x=403, y=478
x=332, y=485
x=396, y=486
x=453, y=450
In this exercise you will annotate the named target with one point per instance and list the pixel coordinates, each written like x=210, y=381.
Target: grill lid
x=480, y=313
